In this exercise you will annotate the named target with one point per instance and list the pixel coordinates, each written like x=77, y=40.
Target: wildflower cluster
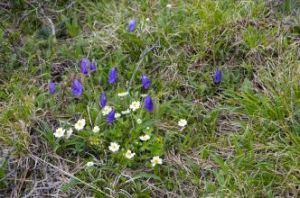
x=122, y=123
x=123, y=142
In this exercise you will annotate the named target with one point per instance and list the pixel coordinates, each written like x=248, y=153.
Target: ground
x=242, y=137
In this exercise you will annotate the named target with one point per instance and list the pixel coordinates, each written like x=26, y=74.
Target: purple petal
x=145, y=81
x=218, y=77
x=93, y=66
x=102, y=100
x=148, y=103
x=113, y=75
x=111, y=117
x=84, y=66
x=77, y=88
x=131, y=25
x=52, y=88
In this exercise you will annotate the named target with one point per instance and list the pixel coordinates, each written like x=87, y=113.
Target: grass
x=242, y=137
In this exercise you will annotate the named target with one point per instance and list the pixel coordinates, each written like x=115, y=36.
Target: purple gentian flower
x=145, y=81
x=93, y=66
x=113, y=75
x=111, y=117
x=77, y=88
x=218, y=77
x=148, y=103
x=84, y=66
x=131, y=25
x=52, y=87
x=102, y=100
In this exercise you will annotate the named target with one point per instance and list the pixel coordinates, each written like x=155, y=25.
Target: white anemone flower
x=182, y=122
x=79, y=124
x=156, y=160
x=135, y=105
x=59, y=132
x=106, y=110
x=129, y=154
x=96, y=129
x=145, y=138
x=114, y=147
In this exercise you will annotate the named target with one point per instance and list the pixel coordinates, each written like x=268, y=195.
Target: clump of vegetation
x=115, y=122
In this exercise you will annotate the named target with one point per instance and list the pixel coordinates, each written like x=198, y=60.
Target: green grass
x=242, y=137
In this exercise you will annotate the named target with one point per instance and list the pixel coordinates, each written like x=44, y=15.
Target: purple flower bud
x=218, y=77
x=93, y=66
x=77, y=88
x=113, y=75
x=102, y=100
x=52, y=87
x=131, y=25
x=111, y=117
x=148, y=103
x=145, y=81
x=84, y=66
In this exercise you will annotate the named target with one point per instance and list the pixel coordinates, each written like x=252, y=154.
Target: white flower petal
x=117, y=115
x=139, y=121
x=127, y=111
x=145, y=137
x=106, y=110
x=89, y=164
x=135, y=105
x=129, y=154
x=123, y=94
x=69, y=133
x=114, y=147
x=59, y=132
x=182, y=123
x=79, y=124
x=156, y=160
x=96, y=129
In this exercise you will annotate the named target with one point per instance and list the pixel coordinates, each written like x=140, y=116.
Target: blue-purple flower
x=84, y=66
x=113, y=75
x=52, y=87
x=77, y=88
x=131, y=25
x=111, y=117
x=93, y=66
x=145, y=81
x=102, y=100
x=148, y=103
x=218, y=77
